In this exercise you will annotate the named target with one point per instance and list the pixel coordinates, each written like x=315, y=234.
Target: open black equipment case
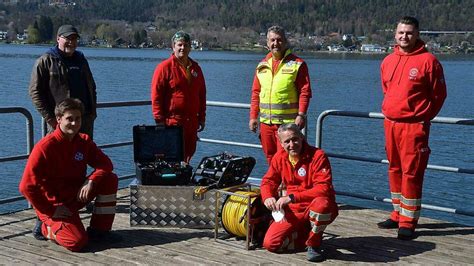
x=158, y=153
x=223, y=170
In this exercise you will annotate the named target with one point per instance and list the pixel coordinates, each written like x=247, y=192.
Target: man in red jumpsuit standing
x=281, y=91
x=178, y=93
x=310, y=202
x=55, y=182
x=414, y=92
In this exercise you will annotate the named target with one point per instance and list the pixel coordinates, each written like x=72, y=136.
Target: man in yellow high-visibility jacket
x=281, y=91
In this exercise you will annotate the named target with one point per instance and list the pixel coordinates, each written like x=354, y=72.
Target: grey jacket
x=49, y=83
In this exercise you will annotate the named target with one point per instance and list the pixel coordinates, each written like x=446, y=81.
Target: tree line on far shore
x=230, y=23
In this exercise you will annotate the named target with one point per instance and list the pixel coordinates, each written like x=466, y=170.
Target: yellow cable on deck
x=200, y=190
x=235, y=210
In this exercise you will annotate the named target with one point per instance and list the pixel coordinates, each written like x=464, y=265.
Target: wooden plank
x=49, y=247
x=402, y=248
x=353, y=237
x=179, y=242
x=268, y=257
x=29, y=254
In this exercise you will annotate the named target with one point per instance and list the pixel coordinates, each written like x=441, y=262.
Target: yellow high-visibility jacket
x=278, y=94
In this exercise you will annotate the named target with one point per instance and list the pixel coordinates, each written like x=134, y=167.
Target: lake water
x=339, y=81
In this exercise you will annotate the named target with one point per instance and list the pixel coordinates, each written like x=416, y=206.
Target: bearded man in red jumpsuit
x=55, y=182
x=178, y=93
x=414, y=92
x=310, y=202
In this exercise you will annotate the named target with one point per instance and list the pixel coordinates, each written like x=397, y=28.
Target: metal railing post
x=29, y=131
x=319, y=135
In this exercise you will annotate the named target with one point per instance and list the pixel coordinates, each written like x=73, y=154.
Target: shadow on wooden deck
x=353, y=237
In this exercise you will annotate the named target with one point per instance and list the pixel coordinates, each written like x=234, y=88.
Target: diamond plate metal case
x=171, y=206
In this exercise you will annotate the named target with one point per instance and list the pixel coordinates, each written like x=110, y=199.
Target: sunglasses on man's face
x=71, y=38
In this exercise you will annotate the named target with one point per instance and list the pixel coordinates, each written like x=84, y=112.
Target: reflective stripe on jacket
x=278, y=95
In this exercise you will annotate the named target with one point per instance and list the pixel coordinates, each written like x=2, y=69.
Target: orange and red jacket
x=175, y=100
x=413, y=85
x=57, y=168
x=310, y=178
x=302, y=83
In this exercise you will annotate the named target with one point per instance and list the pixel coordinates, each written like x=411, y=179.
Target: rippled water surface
x=345, y=82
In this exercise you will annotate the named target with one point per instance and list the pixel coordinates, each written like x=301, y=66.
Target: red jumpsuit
x=53, y=176
x=178, y=101
x=268, y=132
x=414, y=92
x=314, y=206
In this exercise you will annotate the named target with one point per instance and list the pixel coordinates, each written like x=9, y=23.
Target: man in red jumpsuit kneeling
x=309, y=204
x=55, y=182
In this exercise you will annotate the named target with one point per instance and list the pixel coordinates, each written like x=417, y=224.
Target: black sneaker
x=388, y=224
x=406, y=233
x=89, y=207
x=315, y=254
x=103, y=236
x=37, y=230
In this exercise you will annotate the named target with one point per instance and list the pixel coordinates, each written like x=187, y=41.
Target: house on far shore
x=3, y=35
x=372, y=48
x=336, y=48
x=22, y=36
x=151, y=28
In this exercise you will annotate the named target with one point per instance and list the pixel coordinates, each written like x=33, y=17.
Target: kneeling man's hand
x=282, y=202
x=85, y=193
x=270, y=204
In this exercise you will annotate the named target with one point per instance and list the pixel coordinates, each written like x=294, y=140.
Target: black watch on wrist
x=292, y=197
x=302, y=115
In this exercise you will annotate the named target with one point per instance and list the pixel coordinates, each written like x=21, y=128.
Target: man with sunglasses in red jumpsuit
x=414, y=92
x=310, y=202
x=55, y=183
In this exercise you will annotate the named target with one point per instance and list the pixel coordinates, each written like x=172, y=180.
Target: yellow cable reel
x=234, y=211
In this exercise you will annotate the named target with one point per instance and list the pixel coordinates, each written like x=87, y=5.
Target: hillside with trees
x=226, y=23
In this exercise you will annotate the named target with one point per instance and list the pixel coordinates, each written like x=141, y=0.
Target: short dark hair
x=68, y=104
x=290, y=127
x=409, y=21
x=278, y=30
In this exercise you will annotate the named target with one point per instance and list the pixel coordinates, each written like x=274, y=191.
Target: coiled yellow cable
x=234, y=212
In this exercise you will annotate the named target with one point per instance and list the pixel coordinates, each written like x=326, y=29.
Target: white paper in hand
x=278, y=215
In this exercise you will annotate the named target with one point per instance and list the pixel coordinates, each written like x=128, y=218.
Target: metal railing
x=44, y=128
x=372, y=115
x=29, y=142
x=29, y=132
x=444, y=120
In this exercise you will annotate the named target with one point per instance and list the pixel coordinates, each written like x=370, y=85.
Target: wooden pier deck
x=353, y=238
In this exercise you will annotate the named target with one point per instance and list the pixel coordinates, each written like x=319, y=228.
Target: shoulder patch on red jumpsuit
x=79, y=156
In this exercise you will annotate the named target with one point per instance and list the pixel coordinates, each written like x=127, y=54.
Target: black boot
x=315, y=254
x=37, y=230
x=406, y=233
x=388, y=224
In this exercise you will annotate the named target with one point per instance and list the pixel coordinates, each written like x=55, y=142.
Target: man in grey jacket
x=63, y=72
